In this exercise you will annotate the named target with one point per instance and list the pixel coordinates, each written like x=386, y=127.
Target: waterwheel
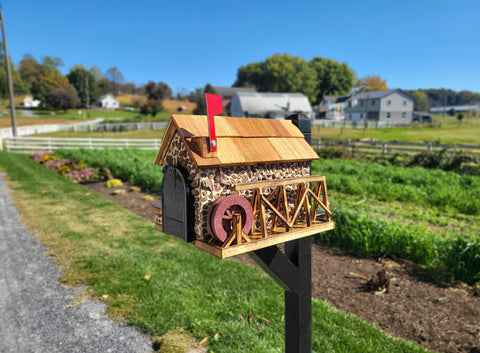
x=220, y=215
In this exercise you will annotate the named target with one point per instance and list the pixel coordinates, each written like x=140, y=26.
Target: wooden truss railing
x=272, y=194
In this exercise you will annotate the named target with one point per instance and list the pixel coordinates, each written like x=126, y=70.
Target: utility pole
x=87, y=98
x=9, y=78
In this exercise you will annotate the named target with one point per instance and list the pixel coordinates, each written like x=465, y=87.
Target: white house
x=269, y=105
x=29, y=102
x=108, y=102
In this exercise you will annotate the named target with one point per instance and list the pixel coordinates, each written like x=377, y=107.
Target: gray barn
x=269, y=105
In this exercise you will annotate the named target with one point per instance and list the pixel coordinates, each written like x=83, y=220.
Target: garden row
x=454, y=256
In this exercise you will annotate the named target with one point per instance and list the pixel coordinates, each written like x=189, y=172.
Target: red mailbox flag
x=214, y=107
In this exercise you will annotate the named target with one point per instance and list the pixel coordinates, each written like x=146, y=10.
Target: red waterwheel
x=220, y=216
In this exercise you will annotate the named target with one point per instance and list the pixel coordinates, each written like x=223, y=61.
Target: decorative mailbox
x=255, y=190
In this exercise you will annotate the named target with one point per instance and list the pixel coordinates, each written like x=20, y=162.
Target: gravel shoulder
x=36, y=312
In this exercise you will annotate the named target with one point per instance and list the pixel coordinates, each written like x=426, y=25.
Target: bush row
x=431, y=188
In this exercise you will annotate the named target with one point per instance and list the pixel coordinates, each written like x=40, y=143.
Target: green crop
x=426, y=187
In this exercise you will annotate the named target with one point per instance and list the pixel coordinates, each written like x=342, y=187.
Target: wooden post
x=9, y=78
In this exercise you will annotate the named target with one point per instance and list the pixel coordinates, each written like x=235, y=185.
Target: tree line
x=80, y=87
x=429, y=98
x=315, y=78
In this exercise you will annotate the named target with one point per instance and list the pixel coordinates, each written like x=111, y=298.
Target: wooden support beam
x=278, y=182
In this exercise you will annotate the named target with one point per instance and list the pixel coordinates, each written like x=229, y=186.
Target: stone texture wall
x=210, y=183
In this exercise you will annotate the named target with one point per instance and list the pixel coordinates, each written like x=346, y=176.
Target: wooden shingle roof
x=240, y=141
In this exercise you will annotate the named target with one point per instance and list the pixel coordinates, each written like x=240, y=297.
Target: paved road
x=33, y=316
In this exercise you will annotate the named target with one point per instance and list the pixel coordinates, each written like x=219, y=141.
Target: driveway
x=34, y=311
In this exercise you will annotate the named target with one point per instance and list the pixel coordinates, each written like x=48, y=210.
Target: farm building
x=249, y=152
x=29, y=102
x=456, y=108
x=227, y=94
x=333, y=107
x=108, y=102
x=391, y=106
x=269, y=105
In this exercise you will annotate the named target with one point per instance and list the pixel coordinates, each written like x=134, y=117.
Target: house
x=333, y=107
x=387, y=107
x=29, y=102
x=108, y=102
x=203, y=189
x=227, y=94
x=269, y=105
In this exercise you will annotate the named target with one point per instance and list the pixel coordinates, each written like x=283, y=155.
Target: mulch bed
x=406, y=302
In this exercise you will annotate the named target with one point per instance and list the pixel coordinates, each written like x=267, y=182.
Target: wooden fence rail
x=385, y=147
x=34, y=144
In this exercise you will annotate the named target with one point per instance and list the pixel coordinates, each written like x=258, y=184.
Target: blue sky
x=410, y=44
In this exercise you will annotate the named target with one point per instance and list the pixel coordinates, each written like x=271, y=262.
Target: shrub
x=113, y=183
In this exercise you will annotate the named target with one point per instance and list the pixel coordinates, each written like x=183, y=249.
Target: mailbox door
x=176, y=204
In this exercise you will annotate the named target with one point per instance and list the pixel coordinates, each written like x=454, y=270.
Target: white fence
x=40, y=129
x=34, y=144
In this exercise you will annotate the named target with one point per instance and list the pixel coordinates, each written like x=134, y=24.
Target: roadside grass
x=158, y=283
x=448, y=133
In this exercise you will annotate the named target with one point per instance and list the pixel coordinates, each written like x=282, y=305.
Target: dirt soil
x=414, y=307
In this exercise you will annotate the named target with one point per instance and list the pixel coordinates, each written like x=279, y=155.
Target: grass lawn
x=464, y=133
x=158, y=283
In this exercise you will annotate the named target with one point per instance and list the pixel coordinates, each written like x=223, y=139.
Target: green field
x=447, y=133
x=158, y=283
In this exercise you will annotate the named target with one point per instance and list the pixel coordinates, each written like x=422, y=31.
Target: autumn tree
x=63, y=98
x=46, y=83
x=333, y=78
x=371, y=83
x=280, y=73
x=115, y=77
x=421, y=102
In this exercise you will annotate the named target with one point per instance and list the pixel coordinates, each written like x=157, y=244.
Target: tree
x=371, y=83
x=156, y=93
x=199, y=97
x=421, y=104
x=50, y=63
x=46, y=83
x=460, y=117
x=116, y=78
x=64, y=98
x=84, y=82
x=280, y=73
x=29, y=70
x=19, y=86
x=333, y=78
x=96, y=73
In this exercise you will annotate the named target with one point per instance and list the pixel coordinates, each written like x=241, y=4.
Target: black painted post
x=292, y=270
x=298, y=305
